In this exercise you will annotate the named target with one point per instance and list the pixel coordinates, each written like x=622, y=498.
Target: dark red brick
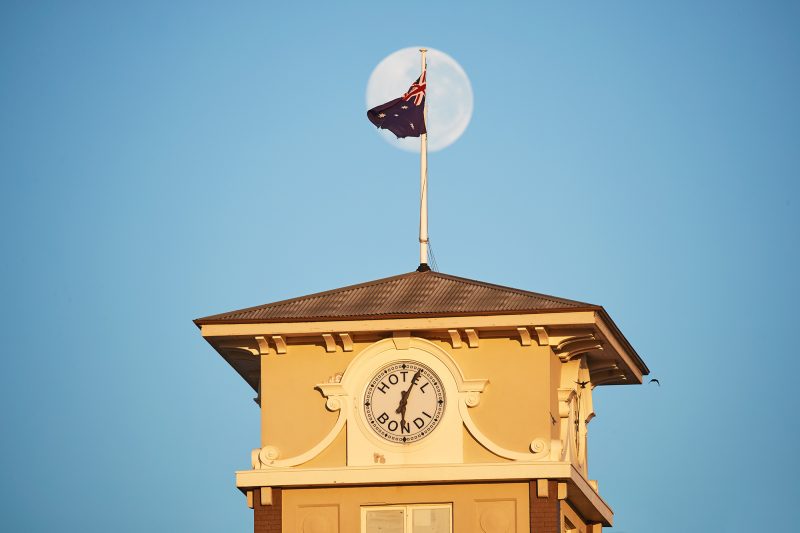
x=545, y=512
x=267, y=518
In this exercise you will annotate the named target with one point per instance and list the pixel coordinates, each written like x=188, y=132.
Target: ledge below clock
x=581, y=492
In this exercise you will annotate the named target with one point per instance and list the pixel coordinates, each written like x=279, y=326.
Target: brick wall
x=267, y=518
x=545, y=512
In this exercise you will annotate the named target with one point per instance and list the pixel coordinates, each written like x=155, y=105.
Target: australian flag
x=404, y=116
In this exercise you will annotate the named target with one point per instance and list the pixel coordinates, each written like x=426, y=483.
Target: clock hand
x=402, y=416
x=404, y=396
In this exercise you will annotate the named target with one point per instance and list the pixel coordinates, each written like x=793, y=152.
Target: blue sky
x=164, y=162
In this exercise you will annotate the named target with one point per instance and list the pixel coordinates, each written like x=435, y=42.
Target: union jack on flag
x=398, y=116
x=416, y=91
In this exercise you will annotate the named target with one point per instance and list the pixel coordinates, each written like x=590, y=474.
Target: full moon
x=448, y=96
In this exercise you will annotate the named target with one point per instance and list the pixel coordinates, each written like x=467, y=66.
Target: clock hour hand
x=402, y=410
x=402, y=407
x=404, y=396
x=403, y=402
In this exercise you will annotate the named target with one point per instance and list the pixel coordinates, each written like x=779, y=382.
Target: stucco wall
x=514, y=409
x=476, y=507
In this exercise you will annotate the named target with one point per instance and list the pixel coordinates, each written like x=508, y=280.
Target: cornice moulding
x=576, y=318
x=581, y=493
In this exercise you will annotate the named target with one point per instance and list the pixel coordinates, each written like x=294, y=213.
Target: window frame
x=407, y=513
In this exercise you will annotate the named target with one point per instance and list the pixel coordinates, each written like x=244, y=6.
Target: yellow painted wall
x=293, y=414
x=474, y=452
x=476, y=507
x=515, y=408
x=332, y=456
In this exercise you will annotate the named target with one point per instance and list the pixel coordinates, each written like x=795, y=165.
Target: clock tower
x=424, y=403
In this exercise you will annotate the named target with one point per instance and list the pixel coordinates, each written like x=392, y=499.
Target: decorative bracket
x=607, y=374
x=566, y=397
x=541, y=336
x=472, y=338
x=524, y=336
x=611, y=379
x=334, y=392
x=263, y=345
x=347, y=342
x=330, y=344
x=455, y=338
x=571, y=347
x=280, y=344
x=597, y=368
x=239, y=345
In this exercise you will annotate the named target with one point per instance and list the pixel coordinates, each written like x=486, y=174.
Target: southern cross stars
x=404, y=116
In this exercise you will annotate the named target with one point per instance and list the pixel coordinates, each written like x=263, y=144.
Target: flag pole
x=423, y=185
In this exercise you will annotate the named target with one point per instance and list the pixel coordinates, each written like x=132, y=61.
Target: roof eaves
x=627, y=345
x=387, y=316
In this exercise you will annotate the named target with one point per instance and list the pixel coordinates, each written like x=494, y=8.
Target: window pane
x=431, y=520
x=385, y=521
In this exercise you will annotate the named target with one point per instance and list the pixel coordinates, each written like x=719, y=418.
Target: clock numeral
x=393, y=379
x=383, y=418
x=426, y=414
x=422, y=388
x=419, y=422
x=383, y=387
x=405, y=427
x=392, y=426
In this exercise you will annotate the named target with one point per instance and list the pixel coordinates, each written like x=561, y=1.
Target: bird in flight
x=582, y=384
x=654, y=380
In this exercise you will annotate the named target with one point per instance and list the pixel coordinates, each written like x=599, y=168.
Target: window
x=407, y=519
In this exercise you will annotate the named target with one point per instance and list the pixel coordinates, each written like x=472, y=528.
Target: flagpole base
x=423, y=267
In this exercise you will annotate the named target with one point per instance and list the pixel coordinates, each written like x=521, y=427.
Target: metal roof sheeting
x=416, y=294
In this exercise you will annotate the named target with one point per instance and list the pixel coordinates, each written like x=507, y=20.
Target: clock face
x=404, y=401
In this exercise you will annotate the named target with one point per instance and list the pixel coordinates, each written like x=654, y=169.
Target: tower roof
x=397, y=301
x=412, y=295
